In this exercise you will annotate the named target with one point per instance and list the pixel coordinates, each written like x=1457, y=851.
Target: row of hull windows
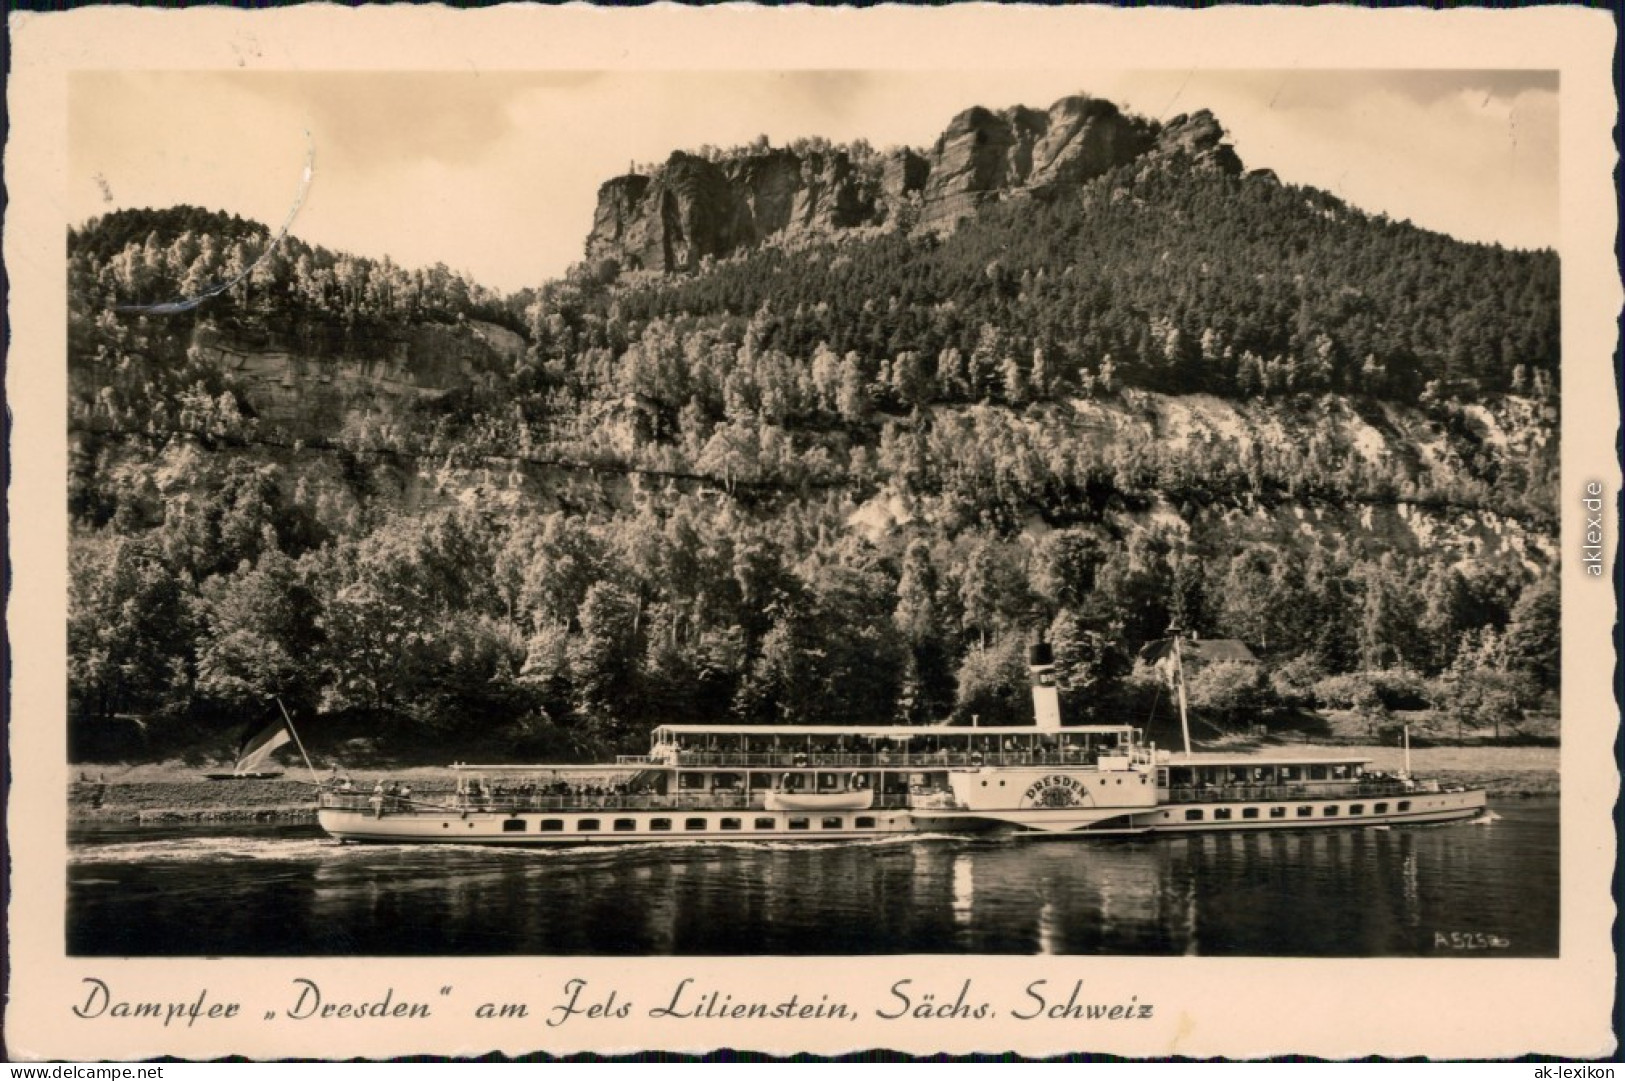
x=1224, y=814
x=666, y=825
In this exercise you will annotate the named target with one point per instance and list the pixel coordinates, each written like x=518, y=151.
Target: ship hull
x=567, y=827
x=1414, y=808
x=596, y=827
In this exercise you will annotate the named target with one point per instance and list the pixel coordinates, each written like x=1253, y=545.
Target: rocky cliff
x=307, y=392
x=692, y=208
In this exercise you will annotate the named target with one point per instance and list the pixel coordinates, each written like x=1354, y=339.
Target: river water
x=1485, y=888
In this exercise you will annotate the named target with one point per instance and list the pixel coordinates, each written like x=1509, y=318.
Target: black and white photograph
x=816, y=515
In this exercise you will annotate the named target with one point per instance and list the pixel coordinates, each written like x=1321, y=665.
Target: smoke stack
x=1046, y=700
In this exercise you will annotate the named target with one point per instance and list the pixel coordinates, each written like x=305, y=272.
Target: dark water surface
x=1487, y=888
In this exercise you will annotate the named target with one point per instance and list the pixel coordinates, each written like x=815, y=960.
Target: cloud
x=1471, y=156
x=1297, y=89
x=386, y=120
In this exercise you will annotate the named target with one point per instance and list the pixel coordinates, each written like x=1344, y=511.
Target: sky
x=496, y=174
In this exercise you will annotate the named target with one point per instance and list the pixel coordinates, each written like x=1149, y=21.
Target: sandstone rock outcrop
x=692, y=208
x=1198, y=138
x=314, y=394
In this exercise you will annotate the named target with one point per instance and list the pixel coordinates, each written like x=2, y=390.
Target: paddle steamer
x=749, y=782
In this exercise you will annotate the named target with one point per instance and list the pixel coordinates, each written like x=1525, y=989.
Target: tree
x=782, y=684
x=928, y=677
x=852, y=395
x=1188, y=606
x=827, y=372
x=1229, y=691
x=1064, y=572
x=916, y=612
x=1491, y=699
x=1534, y=635
x=562, y=563
x=263, y=637
x=992, y=589
x=131, y=629
x=603, y=657
x=1387, y=633
x=1089, y=666
x=909, y=383
x=993, y=685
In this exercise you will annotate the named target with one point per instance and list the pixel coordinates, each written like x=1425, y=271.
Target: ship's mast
x=294, y=732
x=1179, y=684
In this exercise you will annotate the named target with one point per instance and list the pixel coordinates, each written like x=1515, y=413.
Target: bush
x=994, y=685
x=1293, y=683
x=1231, y=691
x=1365, y=692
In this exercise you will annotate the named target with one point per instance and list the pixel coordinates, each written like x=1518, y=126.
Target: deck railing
x=729, y=800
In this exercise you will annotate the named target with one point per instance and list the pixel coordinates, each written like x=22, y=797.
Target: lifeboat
x=857, y=800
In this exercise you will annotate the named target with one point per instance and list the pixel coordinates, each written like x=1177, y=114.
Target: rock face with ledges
x=692, y=208
x=1197, y=138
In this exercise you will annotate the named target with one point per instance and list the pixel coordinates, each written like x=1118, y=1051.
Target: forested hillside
x=834, y=477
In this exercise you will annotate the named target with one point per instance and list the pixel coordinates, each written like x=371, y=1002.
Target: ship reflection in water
x=1360, y=892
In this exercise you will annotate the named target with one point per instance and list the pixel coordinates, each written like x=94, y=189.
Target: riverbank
x=175, y=792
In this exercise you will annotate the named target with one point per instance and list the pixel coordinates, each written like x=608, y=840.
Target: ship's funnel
x=1046, y=700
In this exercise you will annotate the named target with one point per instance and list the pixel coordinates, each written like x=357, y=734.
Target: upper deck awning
x=1274, y=758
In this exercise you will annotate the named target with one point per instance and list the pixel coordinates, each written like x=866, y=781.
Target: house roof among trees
x=1201, y=651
